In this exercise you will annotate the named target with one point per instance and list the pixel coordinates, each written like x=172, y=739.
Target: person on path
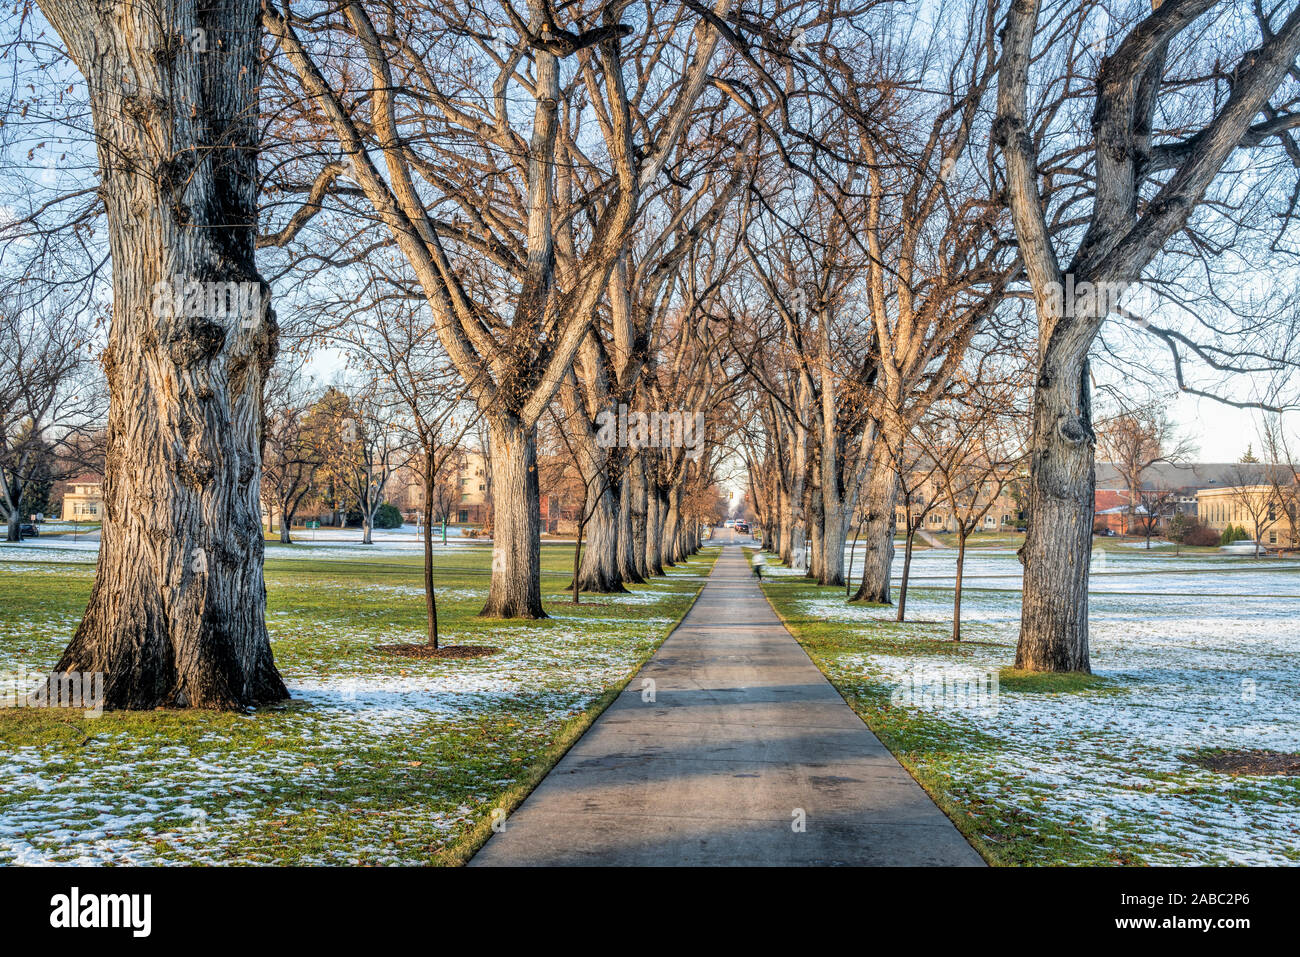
x=758, y=565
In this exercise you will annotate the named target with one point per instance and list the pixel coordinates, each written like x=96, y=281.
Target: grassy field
x=375, y=760
x=1076, y=769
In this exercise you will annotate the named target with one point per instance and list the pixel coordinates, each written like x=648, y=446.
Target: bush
x=1201, y=535
x=1233, y=534
x=388, y=516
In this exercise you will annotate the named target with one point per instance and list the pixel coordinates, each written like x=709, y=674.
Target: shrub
x=1201, y=535
x=388, y=516
x=1233, y=534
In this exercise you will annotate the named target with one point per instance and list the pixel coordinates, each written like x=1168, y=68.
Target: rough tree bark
x=598, y=571
x=1124, y=235
x=628, y=568
x=516, y=590
x=878, y=532
x=640, y=519
x=177, y=612
x=654, y=526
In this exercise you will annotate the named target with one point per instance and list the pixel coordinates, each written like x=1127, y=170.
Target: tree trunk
x=639, y=519
x=787, y=529
x=956, y=594
x=671, y=522
x=1058, y=539
x=654, y=529
x=285, y=539
x=878, y=532
x=599, y=569
x=626, y=554
x=11, y=527
x=835, y=532
x=516, y=590
x=577, y=553
x=907, y=569
x=430, y=597
x=177, y=611
x=815, y=554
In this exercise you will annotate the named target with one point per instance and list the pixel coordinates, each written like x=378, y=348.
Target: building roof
x=87, y=479
x=1173, y=476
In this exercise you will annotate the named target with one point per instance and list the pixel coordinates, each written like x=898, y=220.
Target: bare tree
x=1283, y=474
x=916, y=473
x=289, y=459
x=470, y=196
x=397, y=346
x=1253, y=498
x=1133, y=441
x=178, y=619
x=978, y=448
x=1127, y=191
x=48, y=395
x=373, y=450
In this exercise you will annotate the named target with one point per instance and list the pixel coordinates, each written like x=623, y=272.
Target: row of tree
x=828, y=227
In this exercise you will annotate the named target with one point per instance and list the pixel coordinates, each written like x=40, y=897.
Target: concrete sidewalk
x=744, y=740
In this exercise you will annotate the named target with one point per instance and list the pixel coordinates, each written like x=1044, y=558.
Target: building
x=1003, y=515
x=1265, y=515
x=1112, y=510
x=461, y=492
x=84, y=499
x=472, y=486
x=1167, y=487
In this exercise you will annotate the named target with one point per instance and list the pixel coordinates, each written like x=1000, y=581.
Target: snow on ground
x=375, y=759
x=1203, y=652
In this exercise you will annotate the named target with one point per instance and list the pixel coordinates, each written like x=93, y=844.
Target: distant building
x=1112, y=510
x=1003, y=515
x=84, y=499
x=1189, y=477
x=471, y=481
x=1256, y=508
x=1172, y=486
x=467, y=503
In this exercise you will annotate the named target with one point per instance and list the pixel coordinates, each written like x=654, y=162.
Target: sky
x=1223, y=432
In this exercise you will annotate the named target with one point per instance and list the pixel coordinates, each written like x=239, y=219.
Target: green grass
x=976, y=539
x=378, y=760
x=1038, y=682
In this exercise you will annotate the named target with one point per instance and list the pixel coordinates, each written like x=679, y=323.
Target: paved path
x=744, y=734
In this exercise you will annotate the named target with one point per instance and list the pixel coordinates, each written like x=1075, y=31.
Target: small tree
x=1254, y=501
x=1177, y=529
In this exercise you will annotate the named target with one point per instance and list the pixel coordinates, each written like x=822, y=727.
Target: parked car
x=27, y=530
x=729, y=523
x=1244, y=547
x=742, y=527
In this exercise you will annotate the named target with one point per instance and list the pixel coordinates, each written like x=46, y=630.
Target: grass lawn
x=976, y=540
x=375, y=760
x=1075, y=769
